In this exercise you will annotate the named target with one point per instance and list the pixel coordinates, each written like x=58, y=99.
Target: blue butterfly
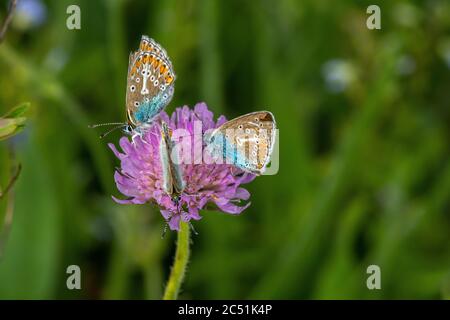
x=245, y=142
x=150, y=87
x=174, y=184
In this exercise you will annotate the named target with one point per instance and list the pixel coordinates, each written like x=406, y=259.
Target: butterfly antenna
x=91, y=126
x=111, y=130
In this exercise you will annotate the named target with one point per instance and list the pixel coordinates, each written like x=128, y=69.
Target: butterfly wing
x=173, y=182
x=150, y=82
x=246, y=141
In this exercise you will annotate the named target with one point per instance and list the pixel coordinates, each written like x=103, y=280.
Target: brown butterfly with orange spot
x=150, y=87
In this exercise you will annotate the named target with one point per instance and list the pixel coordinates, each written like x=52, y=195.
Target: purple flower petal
x=228, y=207
x=174, y=223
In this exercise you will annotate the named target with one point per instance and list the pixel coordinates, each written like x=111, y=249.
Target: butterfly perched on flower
x=245, y=142
x=150, y=87
x=173, y=182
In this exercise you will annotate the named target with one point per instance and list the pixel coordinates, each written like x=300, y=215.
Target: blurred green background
x=364, y=119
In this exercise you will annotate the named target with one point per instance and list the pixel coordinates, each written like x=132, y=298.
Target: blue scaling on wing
x=147, y=111
x=222, y=146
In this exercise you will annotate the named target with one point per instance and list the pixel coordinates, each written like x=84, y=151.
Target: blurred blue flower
x=30, y=14
x=338, y=74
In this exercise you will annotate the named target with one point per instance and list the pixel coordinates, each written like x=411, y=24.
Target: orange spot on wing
x=169, y=79
x=138, y=63
x=157, y=63
x=163, y=69
x=142, y=45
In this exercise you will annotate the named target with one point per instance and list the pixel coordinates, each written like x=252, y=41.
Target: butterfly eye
x=128, y=129
x=152, y=78
x=165, y=96
x=240, y=127
x=132, y=88
x=143, y=72
x=256, y=119
x=136, y=104
x=162, y=87
x=147, y=99
x=156, y=83
x=138, y=80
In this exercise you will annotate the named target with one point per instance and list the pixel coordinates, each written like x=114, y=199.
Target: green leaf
x=11, y=126
x=17, y=111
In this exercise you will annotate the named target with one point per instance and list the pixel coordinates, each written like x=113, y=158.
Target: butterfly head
x=128, y=129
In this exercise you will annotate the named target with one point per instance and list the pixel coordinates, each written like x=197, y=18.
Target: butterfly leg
x=164, y=230
x=139, y=133
x=141, y=136
x=165, y=226
x=133, y=137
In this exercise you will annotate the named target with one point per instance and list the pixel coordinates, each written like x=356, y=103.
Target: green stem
x=180, y=263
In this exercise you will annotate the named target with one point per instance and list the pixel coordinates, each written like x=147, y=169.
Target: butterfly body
x=245, y=142
x=173, y=182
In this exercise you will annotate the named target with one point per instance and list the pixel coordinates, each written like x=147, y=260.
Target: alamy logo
x=74, y=280
x=374, y=20
x=374, y=280
x=73, y=21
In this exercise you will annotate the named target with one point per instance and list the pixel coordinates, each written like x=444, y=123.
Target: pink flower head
x=140, y=175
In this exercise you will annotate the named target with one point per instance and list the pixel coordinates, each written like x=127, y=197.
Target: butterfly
x=150, y=87
x=245, y=142
x=173, y=182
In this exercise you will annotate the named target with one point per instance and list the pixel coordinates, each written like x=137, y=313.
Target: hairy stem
x=180, y=263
